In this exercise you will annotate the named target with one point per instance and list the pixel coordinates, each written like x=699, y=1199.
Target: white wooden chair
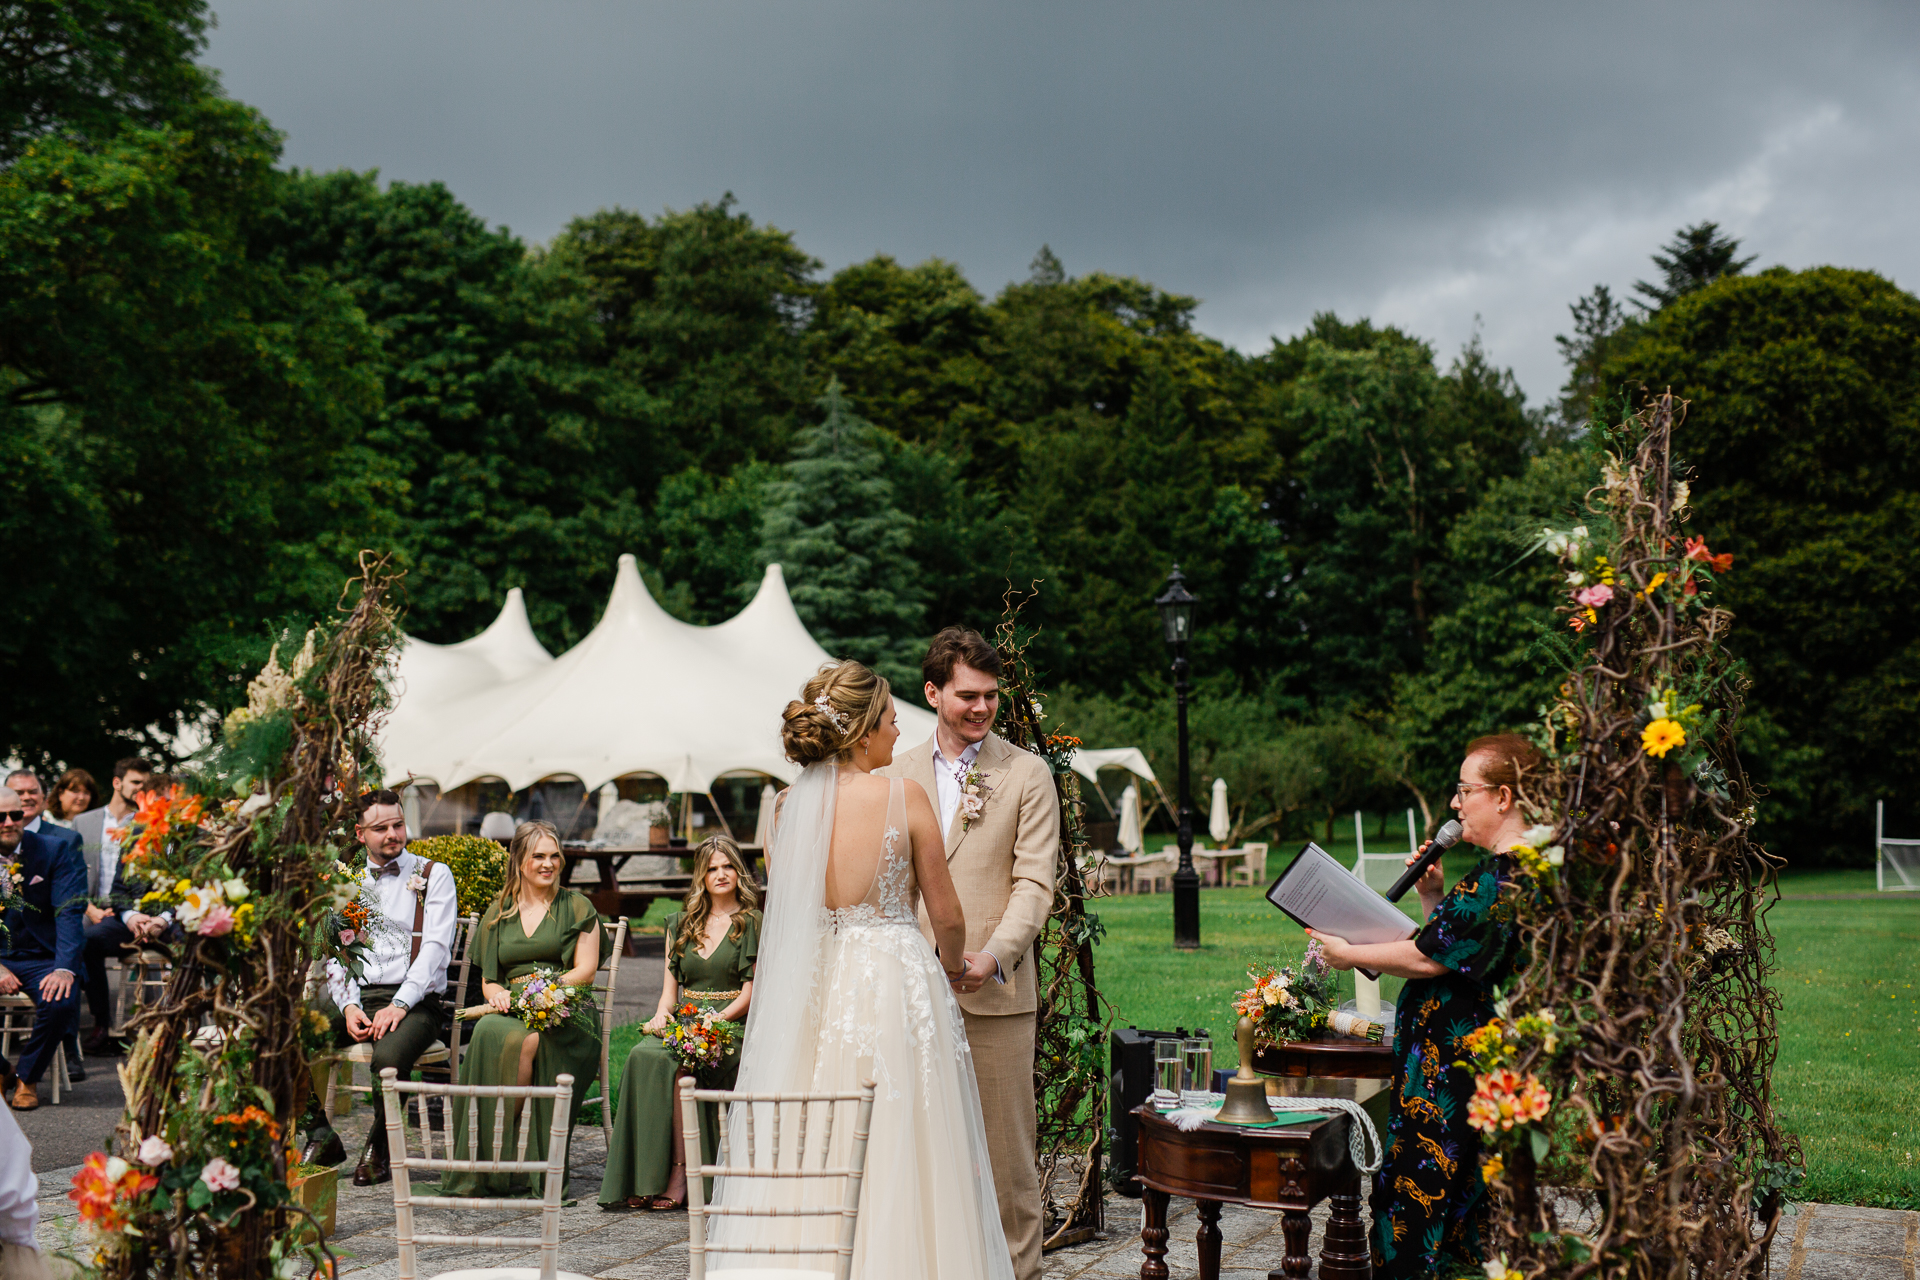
x=437, y=1052
x=554, y=1168
x=16, y=1023
x=1153, y=870
x=143, y=980
x=603, y=996
x=1253, y=868
x=767, y=1164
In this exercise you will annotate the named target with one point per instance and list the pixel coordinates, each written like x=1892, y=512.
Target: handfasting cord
x=1360, y=1132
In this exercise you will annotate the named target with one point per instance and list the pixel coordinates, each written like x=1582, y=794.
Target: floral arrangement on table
x=1287, y=1003
x=479, y=867
x=245, y=851
x=698, y=1038
x=543, y=1002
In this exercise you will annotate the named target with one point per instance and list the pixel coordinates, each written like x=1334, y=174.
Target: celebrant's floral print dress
x=1429, y=1201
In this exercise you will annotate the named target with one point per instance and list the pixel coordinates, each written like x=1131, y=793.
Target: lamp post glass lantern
x=1176, y=618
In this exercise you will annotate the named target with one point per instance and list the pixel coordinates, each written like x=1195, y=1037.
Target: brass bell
x=1246, y=1092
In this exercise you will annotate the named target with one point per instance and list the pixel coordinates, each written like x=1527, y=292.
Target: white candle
x=1366, y=995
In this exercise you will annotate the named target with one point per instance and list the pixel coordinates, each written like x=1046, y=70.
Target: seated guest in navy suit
x=33, y=798
x=46, y=897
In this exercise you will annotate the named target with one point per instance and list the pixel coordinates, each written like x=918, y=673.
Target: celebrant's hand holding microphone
x=1400, y=958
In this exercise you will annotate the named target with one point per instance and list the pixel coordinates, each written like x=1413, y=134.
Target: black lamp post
x=1176, y=615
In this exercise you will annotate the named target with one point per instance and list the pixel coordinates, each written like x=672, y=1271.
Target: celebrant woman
x=534, y=928
x=1429, y=1199
x=711, y=947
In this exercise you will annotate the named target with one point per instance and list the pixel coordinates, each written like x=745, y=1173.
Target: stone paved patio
x=1818, y=1242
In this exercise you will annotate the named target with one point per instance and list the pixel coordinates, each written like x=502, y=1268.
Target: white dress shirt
x=386, y=962
x=946, y=780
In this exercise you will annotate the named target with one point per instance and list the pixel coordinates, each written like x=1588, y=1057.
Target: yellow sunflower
x=1661, y=737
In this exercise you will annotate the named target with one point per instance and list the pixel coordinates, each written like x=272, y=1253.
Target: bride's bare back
x=860, y=822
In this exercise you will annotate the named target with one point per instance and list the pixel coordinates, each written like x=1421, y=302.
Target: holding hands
x=975, y=969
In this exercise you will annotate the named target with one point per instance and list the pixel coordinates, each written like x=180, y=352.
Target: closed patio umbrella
x=1130, y=819
x=1219, y=822
x=763, y=829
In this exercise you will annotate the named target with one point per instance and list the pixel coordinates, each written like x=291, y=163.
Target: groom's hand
x=980, y=969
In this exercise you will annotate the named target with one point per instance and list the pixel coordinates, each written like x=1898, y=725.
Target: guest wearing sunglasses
x=45, y=892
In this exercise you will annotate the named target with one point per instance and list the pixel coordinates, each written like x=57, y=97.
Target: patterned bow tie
x=391, y=869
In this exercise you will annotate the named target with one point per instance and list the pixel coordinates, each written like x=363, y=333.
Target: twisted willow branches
x=1650, y=952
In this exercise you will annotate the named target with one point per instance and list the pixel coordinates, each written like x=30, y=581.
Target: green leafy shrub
x=479, y=867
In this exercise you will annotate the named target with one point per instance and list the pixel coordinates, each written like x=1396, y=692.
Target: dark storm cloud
x=1425, y=164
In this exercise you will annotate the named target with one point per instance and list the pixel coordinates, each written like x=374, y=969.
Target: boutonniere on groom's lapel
x=973, y=796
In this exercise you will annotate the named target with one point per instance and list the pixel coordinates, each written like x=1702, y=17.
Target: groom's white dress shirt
x=392, y=936
x=946, y=779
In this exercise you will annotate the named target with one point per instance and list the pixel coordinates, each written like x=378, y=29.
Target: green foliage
x=1695, y=258
x=479, y=867
x=1804, y=432
x=832, y=524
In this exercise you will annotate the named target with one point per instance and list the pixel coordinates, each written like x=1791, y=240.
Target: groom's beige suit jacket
x=1002, y=865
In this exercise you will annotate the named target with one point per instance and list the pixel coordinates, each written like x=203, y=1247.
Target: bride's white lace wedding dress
x=873, y=1003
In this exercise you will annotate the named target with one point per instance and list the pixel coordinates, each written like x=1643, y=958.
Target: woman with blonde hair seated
x=533, y=924
x=711, y=948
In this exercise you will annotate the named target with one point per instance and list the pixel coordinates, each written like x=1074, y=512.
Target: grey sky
x=1422, y=164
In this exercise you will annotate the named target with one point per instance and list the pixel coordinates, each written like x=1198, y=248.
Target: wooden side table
x=1290, y=1168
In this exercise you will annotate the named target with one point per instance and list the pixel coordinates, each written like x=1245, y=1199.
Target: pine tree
x=1698, y=256
x=1601, y=326
x=844, y=546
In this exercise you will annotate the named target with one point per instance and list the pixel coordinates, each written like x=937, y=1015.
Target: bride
x=848, y=989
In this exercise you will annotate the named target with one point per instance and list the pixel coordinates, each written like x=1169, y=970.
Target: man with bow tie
x=45, y=894
x=395, y=1001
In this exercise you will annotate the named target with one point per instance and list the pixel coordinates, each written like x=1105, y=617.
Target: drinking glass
x=1198, y=1072
x=1167, y=1070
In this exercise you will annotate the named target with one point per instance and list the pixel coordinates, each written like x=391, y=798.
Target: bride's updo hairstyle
x=842, y=704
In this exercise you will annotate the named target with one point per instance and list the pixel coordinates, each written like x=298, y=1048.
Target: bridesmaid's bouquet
x=543, y=1002
x=698, y=1039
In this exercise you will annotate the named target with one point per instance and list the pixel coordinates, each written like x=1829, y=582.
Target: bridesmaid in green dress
x=533, y=924
x=710, y=953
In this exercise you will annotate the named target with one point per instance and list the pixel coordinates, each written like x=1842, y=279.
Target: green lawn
x=1848, y=1079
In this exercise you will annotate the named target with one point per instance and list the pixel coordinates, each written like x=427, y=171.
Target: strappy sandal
x=664, y=1204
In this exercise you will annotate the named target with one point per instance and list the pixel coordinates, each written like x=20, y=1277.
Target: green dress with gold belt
x=641, y=1157
x=492, y=1056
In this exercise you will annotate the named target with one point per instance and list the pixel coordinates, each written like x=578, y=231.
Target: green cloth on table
x=492, y=1056
x=640, y=1159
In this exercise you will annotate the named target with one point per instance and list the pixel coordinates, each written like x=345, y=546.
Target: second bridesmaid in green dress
x=711, y=948
x=533, y=924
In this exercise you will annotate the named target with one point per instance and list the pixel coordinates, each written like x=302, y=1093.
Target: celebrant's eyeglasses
x=1467, y=788
x=17, y=815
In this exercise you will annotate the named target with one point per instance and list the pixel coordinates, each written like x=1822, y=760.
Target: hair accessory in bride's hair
x=839, y=718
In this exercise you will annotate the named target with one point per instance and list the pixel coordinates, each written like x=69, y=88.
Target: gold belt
x=710, y=995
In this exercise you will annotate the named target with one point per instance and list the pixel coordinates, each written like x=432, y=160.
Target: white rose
x=1658, y=710
x=1537, y=835
x=1555, y=855
x=116, y=1168
x=236, y=891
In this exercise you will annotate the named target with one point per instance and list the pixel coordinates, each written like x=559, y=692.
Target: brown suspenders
x=420, y=908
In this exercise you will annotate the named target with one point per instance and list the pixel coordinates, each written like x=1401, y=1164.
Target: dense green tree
x=1601, y=327
x=195, y=407
x=1695, y=258
x=832, y=525
x=1803, y=430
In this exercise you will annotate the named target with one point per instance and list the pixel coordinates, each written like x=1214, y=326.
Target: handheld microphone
x=1443, y=839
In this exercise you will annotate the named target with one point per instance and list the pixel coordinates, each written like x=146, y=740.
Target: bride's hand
x=654, y=1024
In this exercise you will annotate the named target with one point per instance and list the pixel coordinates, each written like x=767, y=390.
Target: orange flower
x=252, y=1115
x=157, y=816
x=1503, y=1098
x=1697, y=550
x=105, y=1189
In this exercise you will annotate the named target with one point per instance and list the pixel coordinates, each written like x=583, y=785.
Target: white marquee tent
x=642, y=693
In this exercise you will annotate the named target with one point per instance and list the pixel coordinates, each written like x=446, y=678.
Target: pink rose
x=219, y=1175
x=154, y=1150
x=346, y=937
x=217, y=922
x=1595, y=597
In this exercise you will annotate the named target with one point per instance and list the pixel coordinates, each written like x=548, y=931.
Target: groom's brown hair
x=953, y=646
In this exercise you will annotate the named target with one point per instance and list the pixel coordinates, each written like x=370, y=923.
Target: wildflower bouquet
x=698, y=1038
x=1298, y=1004
x=543, y=1002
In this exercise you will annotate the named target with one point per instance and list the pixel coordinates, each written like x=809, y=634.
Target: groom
x=1002, y=842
